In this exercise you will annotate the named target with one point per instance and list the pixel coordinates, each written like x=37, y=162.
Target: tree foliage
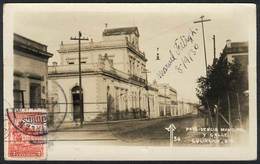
x=223, y=78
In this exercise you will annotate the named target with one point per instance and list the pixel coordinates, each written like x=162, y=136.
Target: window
x=132, y=99
x=126, y=100
x=18, y=95
x=70, y=62
x=35, y=95
x=161, y=110
x=43, y=89
x=137, y=69
x=168, y=110
x=133, y=67
x=116, y=99
x=130, y=63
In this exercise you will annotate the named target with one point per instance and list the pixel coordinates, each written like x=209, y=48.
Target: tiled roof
x=121, y=31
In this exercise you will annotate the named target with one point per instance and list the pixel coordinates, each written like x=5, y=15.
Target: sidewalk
x=125, y=132
x=96, y=126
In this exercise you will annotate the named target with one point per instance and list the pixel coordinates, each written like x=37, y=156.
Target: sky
x=158, y=24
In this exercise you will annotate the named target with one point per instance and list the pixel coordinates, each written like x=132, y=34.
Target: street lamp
x=157, y=54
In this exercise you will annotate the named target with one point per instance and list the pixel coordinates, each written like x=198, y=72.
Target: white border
x=72, y=151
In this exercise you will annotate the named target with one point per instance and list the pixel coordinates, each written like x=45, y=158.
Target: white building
x=113, y=78
x=114, y=82
x=153, y=101
x=187, y=108
x=167, y=100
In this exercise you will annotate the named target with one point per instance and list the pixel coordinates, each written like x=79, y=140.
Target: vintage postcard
x=130, y=81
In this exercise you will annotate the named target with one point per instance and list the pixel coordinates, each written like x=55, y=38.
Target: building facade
x=114, y=82
x=167, y=100
x=30, y=73
x=238, y=51
x=113, y=78
x=239, y=99
x=187, y=108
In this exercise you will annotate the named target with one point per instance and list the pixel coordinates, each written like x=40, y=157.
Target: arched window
x=77, y=112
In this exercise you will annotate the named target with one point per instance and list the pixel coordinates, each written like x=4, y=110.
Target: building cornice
x=93, y=46
x=28, y=75
x=32, y=51
x=101, y=72
x=164, y=96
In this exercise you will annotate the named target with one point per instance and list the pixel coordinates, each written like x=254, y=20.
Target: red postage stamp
x=27, y=130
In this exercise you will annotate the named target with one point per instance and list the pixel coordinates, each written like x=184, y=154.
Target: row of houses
x=113, y=75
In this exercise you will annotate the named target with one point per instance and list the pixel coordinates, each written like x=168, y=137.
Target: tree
x=224, y=79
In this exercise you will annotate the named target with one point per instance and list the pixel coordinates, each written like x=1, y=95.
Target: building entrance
x=76, y=103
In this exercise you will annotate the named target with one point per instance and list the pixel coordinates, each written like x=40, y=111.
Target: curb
x=120, y=121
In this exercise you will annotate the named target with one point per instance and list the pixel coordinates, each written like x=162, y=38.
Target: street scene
x=138, y=78
x=141, y=132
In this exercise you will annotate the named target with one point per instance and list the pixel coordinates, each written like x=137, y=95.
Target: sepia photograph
x=130, y=81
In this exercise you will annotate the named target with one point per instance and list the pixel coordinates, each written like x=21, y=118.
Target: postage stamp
x=27, y=129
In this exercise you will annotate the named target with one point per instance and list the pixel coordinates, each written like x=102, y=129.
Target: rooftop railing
x=93, y=45
x=72, y=68
x=101, y=44
x=93, y=67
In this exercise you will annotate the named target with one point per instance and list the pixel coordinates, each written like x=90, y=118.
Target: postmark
x=32, y=122
x=57, y=109
x=27, y=129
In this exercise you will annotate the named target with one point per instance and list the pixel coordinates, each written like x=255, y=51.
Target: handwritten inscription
x=183, y=52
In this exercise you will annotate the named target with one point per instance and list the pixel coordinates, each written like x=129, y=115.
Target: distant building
x=167, y=100
x=153, y=101
x=238, y=51
x=30, y=73
x=185, y=108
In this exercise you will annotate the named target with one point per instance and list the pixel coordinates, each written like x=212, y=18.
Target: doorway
x=35, y=95
x=77, y=112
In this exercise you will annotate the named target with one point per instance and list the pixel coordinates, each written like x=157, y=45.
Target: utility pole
x=214, y=46
x=214, y=50
x=229, y=111
x=229, y=117
x=217, y=114
x=165, y=100
x=202, y=20
x=80, y=38
x=147, y=92
x=239, y=110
